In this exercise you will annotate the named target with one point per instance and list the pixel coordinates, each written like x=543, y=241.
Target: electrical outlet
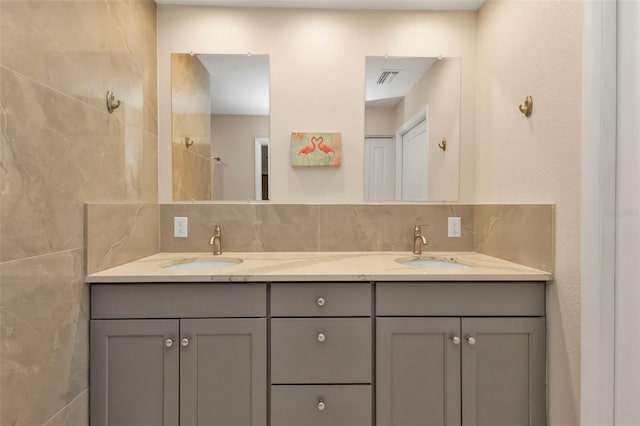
x=455, y=227
x=181, y=227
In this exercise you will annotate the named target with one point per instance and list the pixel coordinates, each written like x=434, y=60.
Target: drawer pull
x=456, y=340
x=321, y=301
x=321, y=405
x=168, y=343
x=321, y=337
x=471, y=340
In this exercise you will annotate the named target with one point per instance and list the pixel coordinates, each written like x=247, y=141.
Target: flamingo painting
x=326, y=149
x=308, y=149
x=316, y=149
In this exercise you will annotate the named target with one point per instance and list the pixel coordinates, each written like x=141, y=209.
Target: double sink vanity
x=318, y=338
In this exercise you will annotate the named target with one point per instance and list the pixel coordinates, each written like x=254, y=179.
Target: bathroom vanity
x=275, y=341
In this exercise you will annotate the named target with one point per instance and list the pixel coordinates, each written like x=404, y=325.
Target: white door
x=414, y=163
x=379, y=173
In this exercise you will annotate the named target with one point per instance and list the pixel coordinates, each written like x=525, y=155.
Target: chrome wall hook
x=112, y=102
x=528, y=106
x=443, y=145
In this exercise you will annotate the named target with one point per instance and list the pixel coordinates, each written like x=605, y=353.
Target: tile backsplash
x=120, y=233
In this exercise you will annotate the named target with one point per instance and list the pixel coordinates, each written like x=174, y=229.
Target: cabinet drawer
x=321, y=405
x=320, y=299
x=321, y=350
x=178, y=300
x=460, y=299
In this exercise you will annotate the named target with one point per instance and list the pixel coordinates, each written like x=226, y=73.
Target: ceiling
x=239, y=83
x=340, y=4
x=389, y=93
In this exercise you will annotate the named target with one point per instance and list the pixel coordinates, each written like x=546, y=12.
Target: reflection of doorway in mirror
x=379, y=173
x=262, y=169
x=414, y=163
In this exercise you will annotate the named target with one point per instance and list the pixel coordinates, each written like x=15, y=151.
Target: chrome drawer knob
x=168, y=343
x=321, y=405
x=185, y=341
x=456, y=340
x=321, y=301
x=471, y=340
x=321, y=337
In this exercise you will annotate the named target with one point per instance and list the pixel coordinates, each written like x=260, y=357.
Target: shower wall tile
x=191, y=176
x=84, y=48
x=390, y=227
x=245, y=227
x=523, y=234
x=120, y=233
x=76, y=413
x=58, y=154
x=44, y=336
x=60, y=148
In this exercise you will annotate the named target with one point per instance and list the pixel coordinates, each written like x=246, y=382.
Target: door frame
x=420, y=116
x=259, y=143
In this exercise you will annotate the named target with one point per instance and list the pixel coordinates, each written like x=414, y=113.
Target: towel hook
x=112, y=102
x=528, y=106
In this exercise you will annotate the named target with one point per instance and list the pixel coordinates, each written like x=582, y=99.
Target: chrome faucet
x=418, y=240
x=216, y=240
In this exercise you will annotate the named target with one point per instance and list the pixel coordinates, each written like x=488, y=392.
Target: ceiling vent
x=387, y=76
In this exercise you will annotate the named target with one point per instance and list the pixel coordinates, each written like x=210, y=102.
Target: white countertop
x=314, y=266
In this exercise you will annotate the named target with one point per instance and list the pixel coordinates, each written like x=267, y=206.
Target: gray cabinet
x=321, y=354
x=181, y=371
x=134, y=372
x=459, y=370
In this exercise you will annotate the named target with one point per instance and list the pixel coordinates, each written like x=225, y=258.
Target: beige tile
x=74, y=414
x=85, y=48
x=120, y=233
x=57, y=154
x=191, y=174
x=520, y=233
x=44, y=336
x=390, y=227
x=245, y=227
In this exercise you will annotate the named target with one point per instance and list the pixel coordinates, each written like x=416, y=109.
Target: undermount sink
x=202, y=264
x=432, y=262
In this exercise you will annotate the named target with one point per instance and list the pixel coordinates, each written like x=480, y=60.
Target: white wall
x=317, y=60
x=535, y=48
x=233, y=140
x=627, y=334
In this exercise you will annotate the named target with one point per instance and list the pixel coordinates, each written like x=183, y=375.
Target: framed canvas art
x=316, y=149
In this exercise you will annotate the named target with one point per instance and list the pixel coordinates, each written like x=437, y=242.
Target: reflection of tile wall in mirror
x=396, y=90
x=221, y=102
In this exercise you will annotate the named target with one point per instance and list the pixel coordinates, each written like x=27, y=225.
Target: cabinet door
x=223, y=372
x=418, y=372
x=503, y=372
x=134, y=372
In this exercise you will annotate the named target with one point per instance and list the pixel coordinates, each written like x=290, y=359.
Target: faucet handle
x=217, y=231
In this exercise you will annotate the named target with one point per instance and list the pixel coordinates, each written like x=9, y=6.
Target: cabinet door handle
x=168, y=343
x=321, y=301
x=185, y=341
x=321, y=337
x=471, y=340
x=455, y=340
x=321, y=405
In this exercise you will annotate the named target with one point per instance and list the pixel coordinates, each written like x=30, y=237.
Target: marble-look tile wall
x=303, y=227
x=60, y=148
x=190, y=117
x=520, y=233
x=120, y=233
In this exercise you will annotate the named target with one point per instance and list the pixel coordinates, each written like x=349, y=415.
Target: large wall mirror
x=220, y=127
x=412, y=128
